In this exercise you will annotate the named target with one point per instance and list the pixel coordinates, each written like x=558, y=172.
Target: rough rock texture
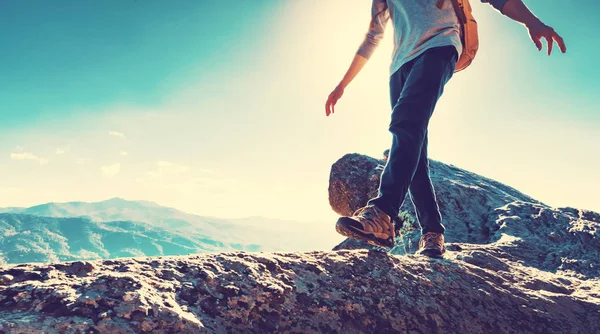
x=514, y=265
x=354, y=179
x=478, y=210
x=462, y=196
x=472, y=291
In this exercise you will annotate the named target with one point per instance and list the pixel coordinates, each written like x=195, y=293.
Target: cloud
x=81, y=161
x=117, y=134
x=28, y=156
x=63, y=150
x=167, y=168
x=124, y=153
x=111, y=170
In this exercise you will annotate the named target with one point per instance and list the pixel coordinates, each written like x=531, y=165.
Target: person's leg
x=396, y=85
x=370, y=223
x=425, y=80
x=422, y=194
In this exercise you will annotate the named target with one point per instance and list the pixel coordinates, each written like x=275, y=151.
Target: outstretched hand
x=335, y=95
x=539, y=30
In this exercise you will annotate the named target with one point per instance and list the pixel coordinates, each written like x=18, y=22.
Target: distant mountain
x=121, y=209
x=30, y=238
x=149, y=213
x=8, y=210
x=147, y=221
x=116, y=209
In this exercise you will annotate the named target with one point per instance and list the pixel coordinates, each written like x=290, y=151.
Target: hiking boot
x=370, y=224
x=432, y=244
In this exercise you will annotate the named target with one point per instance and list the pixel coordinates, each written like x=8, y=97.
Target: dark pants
x=414, y=91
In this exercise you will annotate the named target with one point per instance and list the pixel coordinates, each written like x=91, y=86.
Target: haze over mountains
x=55, y=232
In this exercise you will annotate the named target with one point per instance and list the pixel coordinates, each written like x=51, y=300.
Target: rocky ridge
x=478, y=210
x=514, y=265
x=348, y=291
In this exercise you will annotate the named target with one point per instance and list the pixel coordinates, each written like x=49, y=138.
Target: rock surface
x=354, y=179
x=474, y=290
x=478, y=210
x=514, y=265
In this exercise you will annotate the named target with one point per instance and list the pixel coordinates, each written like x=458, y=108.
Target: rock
x=478, y=210
x=77, y=268
x=6, y=278
x=464, y=198
x=472, y=291
x=353, y=180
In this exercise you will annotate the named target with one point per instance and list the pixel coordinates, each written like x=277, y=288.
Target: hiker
x=428, y=47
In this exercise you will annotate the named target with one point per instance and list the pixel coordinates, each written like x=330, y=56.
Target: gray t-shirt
x=418, y=25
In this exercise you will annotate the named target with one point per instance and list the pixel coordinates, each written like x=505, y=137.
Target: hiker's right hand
x=538, y=30
x=335, y=95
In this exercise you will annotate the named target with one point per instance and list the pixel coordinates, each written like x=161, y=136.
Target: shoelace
x=360, y=211
x=432, y=238
x=371, y=224
x=375, y=222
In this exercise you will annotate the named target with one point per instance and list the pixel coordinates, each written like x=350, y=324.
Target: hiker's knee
x=414, y=109
x=413, y=130
x=411, y=126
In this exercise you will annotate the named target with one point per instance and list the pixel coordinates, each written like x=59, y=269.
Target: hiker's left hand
x=538, y=30
x=335, y=95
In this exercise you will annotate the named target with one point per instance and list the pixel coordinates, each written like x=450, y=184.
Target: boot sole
x=345, y=227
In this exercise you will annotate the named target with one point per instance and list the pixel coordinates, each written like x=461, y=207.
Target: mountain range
x=54, y=232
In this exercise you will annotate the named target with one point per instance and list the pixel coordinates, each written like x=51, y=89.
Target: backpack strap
x=460, y=11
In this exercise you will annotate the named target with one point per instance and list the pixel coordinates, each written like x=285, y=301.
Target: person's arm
x=379, y=19
x=358, y=62
x=516, y=10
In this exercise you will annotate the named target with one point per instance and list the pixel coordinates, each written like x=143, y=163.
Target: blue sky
x=73, y=53
x=217, y=108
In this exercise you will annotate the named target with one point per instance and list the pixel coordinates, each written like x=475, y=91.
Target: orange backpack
x=468, y=34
